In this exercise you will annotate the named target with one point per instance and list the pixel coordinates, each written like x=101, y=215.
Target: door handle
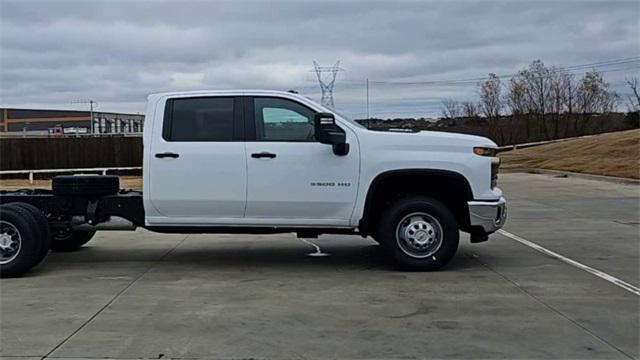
x=263, y=155
x=167, y=155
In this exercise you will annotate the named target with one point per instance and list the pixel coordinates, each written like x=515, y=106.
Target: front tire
x=419, y=233
x=70, y=241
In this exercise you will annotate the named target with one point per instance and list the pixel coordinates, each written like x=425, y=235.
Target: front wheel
x=419, y=233
x=70, y=240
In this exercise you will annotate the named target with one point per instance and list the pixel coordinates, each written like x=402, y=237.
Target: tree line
x=542, y=101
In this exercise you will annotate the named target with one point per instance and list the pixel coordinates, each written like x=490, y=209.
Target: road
x=145, y=295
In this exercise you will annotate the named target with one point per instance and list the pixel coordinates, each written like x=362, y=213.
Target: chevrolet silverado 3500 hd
x=271, y=162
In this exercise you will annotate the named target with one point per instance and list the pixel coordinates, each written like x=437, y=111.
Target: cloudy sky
x=53, y=53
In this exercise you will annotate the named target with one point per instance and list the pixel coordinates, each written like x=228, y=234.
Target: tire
x=70, y=241
x=43, y=226
x=20, y=241
x=85, y=185
x=419, y=233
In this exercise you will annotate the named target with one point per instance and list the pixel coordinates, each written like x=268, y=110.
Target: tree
x=516, y=101
x=561, y=97
x=491, y=104
x=516, y=97
x=490, y=100
x=633, y=101
x=470, y=109
x=451, y=109
x=537, y=87
x=594, y=95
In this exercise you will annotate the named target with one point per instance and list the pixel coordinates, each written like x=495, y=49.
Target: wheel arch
x=443, y=181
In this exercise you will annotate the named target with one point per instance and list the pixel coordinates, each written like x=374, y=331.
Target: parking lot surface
x=144, y=295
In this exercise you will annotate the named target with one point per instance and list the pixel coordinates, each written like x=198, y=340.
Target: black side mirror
x=327, y=132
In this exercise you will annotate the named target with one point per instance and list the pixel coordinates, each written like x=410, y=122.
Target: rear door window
x=199, y=119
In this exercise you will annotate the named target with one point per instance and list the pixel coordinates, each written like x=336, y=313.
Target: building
x=54, y=122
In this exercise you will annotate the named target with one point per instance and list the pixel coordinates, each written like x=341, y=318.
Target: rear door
x=292, y=178
x=198, y=170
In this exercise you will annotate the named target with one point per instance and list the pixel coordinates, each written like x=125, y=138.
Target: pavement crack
x=548, y=306
x=113, y=299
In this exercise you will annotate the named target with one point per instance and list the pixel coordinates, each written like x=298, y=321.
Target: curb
x=612, y=179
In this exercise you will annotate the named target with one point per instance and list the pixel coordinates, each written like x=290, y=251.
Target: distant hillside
x=612, y=154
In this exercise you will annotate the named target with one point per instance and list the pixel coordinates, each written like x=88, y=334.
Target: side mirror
x=327, y=132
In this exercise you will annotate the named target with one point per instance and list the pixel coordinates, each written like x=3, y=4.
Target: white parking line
x=318, y=250
x=612, y=279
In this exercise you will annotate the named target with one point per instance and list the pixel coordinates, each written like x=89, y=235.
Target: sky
x=55, y=54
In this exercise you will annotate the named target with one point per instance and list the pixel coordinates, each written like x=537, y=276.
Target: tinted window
x=283, y=120
x=199, y=119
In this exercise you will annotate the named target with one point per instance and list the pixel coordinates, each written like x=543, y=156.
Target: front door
x=197, y=161
x=292, y=178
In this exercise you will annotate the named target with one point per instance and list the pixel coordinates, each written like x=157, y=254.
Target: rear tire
x=419, y=233
x=71, y=241
x=43, y=226
x=20, y=241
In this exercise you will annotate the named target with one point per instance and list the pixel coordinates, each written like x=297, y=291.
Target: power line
x=464, y=81
x=475, y=81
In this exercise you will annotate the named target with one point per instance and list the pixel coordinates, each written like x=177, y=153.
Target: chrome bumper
x=489, y=215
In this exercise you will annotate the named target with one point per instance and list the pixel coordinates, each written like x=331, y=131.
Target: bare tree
x=470, y=109
x=633, y=100
x=536, y=81
x=491, y=104
x=560, y=88
x=490, y=100
x=451, y=109
x=594, y=95
x=516, y=97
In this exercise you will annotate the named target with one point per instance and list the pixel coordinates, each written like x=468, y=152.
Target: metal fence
x=70, y=153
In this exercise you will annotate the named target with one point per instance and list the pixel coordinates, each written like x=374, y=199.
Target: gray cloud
x=117, y=52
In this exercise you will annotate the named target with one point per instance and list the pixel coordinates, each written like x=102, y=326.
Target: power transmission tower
x=327, y=86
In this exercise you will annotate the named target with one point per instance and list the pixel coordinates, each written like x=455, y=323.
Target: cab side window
x=199, y=119
x=282, y=120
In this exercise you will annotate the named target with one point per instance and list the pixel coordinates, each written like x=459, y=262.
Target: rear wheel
x=70, y=240
x=43, y=226
x=419, y=233
x=20, y=241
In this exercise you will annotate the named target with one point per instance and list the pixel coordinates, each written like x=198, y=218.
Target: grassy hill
x=612, y=154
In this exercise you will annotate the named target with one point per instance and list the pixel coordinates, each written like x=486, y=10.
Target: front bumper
x=489, y=216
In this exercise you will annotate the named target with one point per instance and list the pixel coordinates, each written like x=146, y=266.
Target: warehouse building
x=59, y=122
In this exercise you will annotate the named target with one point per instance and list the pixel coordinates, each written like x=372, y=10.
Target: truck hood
x=429, y=140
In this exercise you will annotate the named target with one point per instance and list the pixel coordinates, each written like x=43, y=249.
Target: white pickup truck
x=257, y=162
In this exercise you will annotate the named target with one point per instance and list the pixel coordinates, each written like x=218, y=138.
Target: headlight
x=485, y=151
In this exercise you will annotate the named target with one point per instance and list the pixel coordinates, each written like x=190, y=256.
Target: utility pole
x=327, y=86
x=368, y=117
x=92, y=104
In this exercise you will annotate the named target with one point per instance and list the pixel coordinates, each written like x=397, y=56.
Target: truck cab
x=254, y=161
x=246, y=158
